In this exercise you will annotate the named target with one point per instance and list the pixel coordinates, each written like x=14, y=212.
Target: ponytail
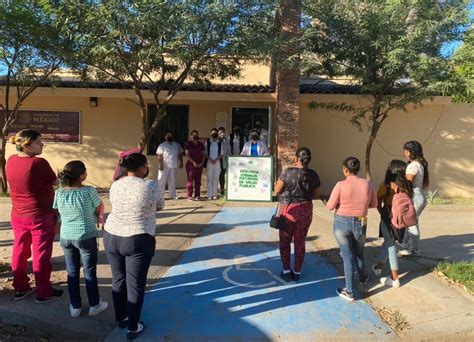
x=133, y=162
x=24, y=138
x=304, y=156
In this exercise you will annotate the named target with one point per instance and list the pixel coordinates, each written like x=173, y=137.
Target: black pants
x=129, y=259
x=222, y=181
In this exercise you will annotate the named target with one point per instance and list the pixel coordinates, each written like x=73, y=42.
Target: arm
x=410, y=177
x=180, y=158
x=280, y=185
x=373, y=198
x=316, y=192
x=188, y=155
x=160, y=162
x=334, y=198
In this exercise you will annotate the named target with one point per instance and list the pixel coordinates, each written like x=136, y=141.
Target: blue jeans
x=76, y=251
x=411, y=240
x=389, y=248
x=350, y=235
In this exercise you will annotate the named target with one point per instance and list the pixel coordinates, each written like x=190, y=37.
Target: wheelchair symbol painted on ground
x=242, y=266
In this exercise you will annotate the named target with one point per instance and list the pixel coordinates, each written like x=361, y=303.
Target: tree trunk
x=287, y=82
x=368, y=149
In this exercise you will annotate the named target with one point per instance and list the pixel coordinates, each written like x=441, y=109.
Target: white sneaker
x=98, y=309
x=74, y=312
x=377, y=271
x=405, y=252
x=387, y=281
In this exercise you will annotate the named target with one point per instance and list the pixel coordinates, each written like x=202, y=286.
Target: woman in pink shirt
x=351, y=199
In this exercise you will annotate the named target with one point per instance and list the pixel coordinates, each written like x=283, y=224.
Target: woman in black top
x=296, y=187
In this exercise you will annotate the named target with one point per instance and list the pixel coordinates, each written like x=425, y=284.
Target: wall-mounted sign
x=250, y=179
x=54, y=126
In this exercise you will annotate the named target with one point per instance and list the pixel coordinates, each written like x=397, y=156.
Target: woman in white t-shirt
x=417, y=174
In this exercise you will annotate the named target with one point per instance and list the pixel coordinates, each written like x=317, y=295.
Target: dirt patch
x=58, y=277
x=394, y=319
x=20, y=333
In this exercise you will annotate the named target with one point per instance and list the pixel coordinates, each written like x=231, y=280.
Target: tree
x=287, y=59
x=31, y=50
x=391, y=49
x=157, y=46
x=463, y=61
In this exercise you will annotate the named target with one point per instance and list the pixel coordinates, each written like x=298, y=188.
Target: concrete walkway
x=432, y=308
x=177, y=226
x=226, y=287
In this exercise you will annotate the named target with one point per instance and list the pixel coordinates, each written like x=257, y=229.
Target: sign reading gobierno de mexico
x=249, y=179
x=54, y=126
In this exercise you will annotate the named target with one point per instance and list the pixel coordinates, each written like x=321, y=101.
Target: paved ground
x=226, y=287
x=433, y=309
x=177, y=226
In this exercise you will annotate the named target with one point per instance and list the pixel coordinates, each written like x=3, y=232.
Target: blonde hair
x=24, y=138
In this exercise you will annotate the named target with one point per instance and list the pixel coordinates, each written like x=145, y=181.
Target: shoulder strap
x=208, y=145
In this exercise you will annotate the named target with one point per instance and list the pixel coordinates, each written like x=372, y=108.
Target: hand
x=213, y=161
x=195, y=164
x=161, y=167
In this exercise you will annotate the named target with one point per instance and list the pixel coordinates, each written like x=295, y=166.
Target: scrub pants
x=168, y=175
x=213, y=173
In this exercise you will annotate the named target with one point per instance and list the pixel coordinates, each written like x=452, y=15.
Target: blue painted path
x=225, y=287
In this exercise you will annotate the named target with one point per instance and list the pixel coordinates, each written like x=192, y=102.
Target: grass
x=461, y=273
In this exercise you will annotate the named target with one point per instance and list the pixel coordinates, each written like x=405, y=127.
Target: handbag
x=277, y=221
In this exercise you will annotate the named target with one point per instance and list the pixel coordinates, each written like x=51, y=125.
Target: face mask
x=195, y=137
x=214, y=135
x=258, y=126
x=254, y=137
x=169, y=139
x=236, y=132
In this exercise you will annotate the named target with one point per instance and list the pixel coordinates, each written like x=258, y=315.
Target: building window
x=175, y=121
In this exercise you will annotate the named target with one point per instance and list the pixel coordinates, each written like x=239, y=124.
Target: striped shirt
x=77, y=209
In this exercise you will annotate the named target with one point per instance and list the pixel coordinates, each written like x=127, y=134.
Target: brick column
x=287, y=82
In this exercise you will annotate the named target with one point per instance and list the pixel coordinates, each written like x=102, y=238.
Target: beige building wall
x=115, y=126
x=445, y=130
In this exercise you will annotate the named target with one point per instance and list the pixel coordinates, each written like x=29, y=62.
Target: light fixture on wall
x=93, y=102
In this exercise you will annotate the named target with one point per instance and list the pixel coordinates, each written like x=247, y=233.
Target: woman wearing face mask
x=33, y=219
x=129, y=239
x=254, y=147
x=194, y=150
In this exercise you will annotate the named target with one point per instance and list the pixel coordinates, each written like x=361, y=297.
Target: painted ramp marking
x=240, y=265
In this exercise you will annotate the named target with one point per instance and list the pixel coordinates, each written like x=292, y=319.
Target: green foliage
x=158, y=45
x=391, y=49
x=463, y=61
x=31, y=50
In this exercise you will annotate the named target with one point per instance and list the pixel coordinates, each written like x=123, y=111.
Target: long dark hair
x=71, y=173
x=395, y=167
x=404, y=185
x=416, y=153
x=304, y=156
x=352, y=164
